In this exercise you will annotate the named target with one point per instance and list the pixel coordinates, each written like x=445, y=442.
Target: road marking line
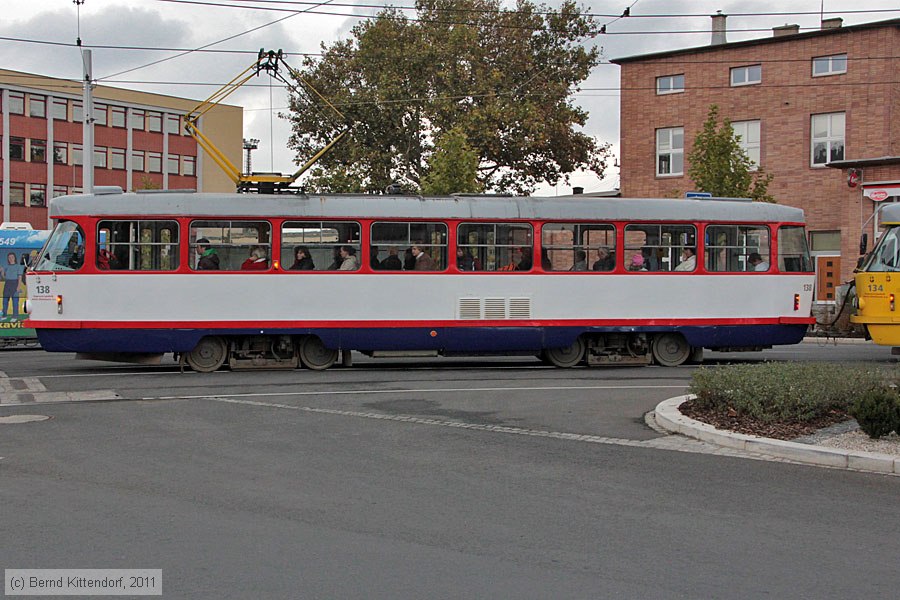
x=426, y=390
x=676, y=443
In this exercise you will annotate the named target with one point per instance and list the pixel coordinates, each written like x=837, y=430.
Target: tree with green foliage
x=721, y=167
x=503, y=78
x=452, y=168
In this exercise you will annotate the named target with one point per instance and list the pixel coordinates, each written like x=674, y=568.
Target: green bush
x=786, y=392
x=877, y=412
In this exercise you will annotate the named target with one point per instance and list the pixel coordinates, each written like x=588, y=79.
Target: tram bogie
x=618, y=349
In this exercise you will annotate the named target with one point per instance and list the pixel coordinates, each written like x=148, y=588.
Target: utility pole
x=87, y=141
x=249, y=146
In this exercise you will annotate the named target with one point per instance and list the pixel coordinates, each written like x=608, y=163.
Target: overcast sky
x=183, y=25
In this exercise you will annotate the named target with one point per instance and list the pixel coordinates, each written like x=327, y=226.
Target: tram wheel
x=208, y=355
x=314, y=355
x=566, y=357
x=671, y=349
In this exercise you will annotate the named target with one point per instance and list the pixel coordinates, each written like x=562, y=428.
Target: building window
x=173, y=124
x=60, y=153
x=746, y=75
x=59, y=110
x=137, y=161
x=38, y=151
x=154, y=162
x=77, y=154
x=670, y=84
x=670, y=151
x=16, y=148
x=154, y=121
x=829, y=65
x=100, y=157
x=37, y=106
x=100, y=114
x=825, y=241
x=117, y=158
x=59, y=190
x=172, y=164
x=37, y=195
x=16, y=194
x=827, y=143
x=190, y=166
x=118, y=116
x=77, y=112
x=136, y=119
x=748, y=132
x=16, y=103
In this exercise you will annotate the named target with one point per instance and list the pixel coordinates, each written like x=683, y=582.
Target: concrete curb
x=670, y=418
x=825, y=340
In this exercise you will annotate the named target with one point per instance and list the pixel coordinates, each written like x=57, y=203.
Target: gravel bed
x=857, y=440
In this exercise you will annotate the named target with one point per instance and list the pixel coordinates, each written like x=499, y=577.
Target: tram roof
x=155, y=204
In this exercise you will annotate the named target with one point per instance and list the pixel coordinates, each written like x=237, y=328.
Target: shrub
x=877, y=412
x=787, y=392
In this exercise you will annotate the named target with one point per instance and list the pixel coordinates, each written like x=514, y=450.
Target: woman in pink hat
x=637, y=263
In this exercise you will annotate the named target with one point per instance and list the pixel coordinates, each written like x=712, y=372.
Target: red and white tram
x=285, y=280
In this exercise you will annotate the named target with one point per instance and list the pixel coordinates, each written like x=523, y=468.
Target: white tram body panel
x=449, y=311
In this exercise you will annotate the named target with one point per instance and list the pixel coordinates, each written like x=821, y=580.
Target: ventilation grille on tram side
x=493, y=309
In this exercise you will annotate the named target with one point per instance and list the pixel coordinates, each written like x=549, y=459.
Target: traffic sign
x=697, y=195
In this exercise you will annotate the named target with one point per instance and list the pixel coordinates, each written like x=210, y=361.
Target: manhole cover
x=14, y=419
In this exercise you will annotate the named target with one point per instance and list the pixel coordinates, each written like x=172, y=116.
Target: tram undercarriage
x=290, y=352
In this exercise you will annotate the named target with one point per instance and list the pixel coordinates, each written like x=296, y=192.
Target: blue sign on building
x=697, y=195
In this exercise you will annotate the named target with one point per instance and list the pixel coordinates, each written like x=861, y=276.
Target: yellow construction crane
x=269, y=62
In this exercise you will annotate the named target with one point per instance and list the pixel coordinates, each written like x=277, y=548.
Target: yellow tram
x=878, y=284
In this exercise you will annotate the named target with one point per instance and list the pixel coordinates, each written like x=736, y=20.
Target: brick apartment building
x=139, y=143
x=801, y=102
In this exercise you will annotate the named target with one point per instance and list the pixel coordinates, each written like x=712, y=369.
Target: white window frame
x=830, y=62
x=831, y=136
x=750, y=132
x=746, y=72
x=673, y=82
x=669, y=149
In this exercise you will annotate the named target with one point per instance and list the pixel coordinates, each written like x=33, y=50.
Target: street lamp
x=249, y=146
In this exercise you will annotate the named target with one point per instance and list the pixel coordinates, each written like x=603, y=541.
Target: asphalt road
x=411, y=479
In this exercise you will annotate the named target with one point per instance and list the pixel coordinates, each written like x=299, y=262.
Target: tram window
x=232, y=243
x=321, y=242
x=578, y=247
x=728, y=247
x=494, y=247
x=64, y=250
x=886, y=255
x=429, y=238
x=793, y=253
x=658, y=246
x=137, y=245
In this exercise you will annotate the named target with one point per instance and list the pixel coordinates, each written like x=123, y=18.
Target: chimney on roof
x=718, y=28
x=832, y=23
x=785, y=30
x=577, y=190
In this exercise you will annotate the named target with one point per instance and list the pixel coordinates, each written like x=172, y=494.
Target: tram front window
x=886, y=255
x=64, y=250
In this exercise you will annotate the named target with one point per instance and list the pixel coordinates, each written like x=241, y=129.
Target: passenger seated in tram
x=580, y=261
x=209, y=260
x=757, y=263
x=424, y=262
x=104, y=258
x=688, y=259
x=465, y=261
x=605, y=261
x=349, y=260
x=337, y=261
x=526, y=262
x=392, y=262
x=302, y=260
x=258, y=260
x=637, y=263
